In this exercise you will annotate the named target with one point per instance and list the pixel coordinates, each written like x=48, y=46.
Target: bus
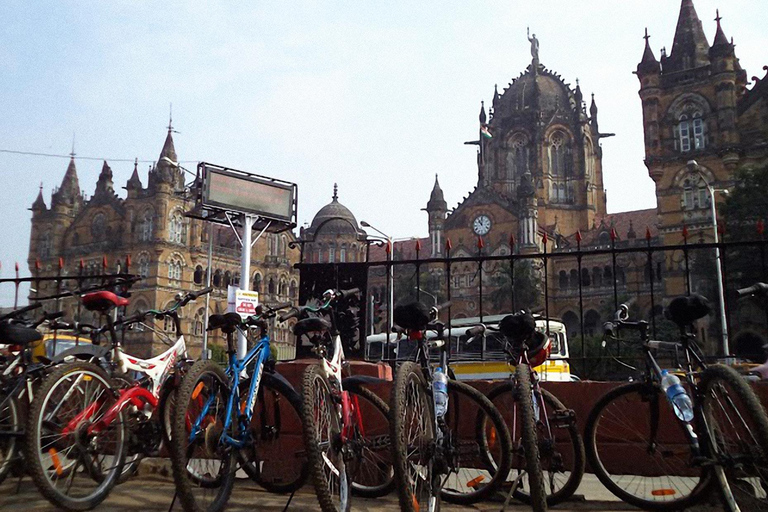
x=480, y=359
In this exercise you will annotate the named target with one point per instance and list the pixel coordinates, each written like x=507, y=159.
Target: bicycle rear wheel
x=276, y=458
x=203, y=466
x=322, y=439
x=529, y=439
x=74, y=465
x=633, y=429
x=738, y=434
x=561, y=449
x=412, y=422
x=471, y=478
x=10, y=431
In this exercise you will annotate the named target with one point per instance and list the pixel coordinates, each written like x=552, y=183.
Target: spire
x=719, y=35
x=578, y=96
x=134, y=182
x=721, y=47
x=335, y=193
x=39, y=203
x=648, y=64
x=593, y=113
x=482, y=113
x=690, y=48
x=436, y=199
x=69, y=191
x=105, y=185
x=169, y=151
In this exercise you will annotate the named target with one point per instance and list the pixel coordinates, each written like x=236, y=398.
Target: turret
x=68, y=197
x=104, y=186
x=436, y=209
x=690, y=49
x=39, y=205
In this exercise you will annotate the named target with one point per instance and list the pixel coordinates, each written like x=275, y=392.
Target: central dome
x=521, y=94
x=335, y=219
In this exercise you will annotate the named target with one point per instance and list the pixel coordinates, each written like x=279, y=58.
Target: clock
x=481, y=225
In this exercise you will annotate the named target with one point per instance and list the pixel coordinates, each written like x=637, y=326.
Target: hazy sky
x=377, y=96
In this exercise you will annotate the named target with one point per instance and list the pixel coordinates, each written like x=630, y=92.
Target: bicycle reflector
x=663, y=492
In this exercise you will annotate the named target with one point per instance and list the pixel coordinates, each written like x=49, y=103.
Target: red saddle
x=103, y=301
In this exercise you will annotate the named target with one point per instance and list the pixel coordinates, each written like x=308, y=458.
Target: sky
x=378, y=97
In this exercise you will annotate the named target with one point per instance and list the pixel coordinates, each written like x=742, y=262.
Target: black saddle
x=312, y=324
x=227, y=322
x=518, y=327
x=412, y=316
x=685, y=310
x=15, y=334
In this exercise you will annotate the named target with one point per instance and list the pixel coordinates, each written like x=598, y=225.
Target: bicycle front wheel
x=322, y=439
x=561, y=449
x=74, y=457
x=738, y=433
x=632, y=429
x=10, y=431
x=203, y=465
x=412, y=426
x=528, y=439
x=276, y=458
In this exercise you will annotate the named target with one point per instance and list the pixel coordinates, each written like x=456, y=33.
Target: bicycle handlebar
x=758, y=289
x=18, y=312
x=476, y=330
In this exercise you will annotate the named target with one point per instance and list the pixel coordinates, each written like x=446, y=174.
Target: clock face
x=481, y=225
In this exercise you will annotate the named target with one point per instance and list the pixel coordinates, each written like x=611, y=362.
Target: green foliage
x=218, y=353
x=524, y=291
x=747, y=203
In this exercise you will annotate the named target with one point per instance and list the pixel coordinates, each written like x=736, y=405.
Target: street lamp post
x=694, y=168
x=390, y=273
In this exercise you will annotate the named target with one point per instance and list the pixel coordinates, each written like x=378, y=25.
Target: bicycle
x=718, y=441
x=434, y=456
x=214, y=429
x=345, y=425
x=84, y=421
x=557, y=438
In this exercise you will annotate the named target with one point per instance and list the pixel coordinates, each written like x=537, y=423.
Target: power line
x=53, y=155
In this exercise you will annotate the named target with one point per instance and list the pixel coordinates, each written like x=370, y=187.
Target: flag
x=485, y=131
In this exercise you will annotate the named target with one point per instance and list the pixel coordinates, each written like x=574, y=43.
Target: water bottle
x=677, y=396
x=440, y=391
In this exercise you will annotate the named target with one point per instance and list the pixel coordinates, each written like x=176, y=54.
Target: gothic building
x=147, y=233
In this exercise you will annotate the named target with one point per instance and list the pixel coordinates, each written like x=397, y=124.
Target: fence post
x=650, y=274
x=448, y=247
x=581, y=293
x=685, y=257
x=545, y=239
x=480, y=246
x=512, y=270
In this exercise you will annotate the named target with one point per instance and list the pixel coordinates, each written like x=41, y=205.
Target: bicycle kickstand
x=515, y=485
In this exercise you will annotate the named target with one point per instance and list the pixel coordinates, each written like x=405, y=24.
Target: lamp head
x=693, y=166
x=364, y=224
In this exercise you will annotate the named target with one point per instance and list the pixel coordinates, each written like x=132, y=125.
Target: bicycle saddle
x=518, y=327
x=14, y=334
x=103, y=301
x=685, y=310
x=413, y=316
x=311, y=324
x=227, y=322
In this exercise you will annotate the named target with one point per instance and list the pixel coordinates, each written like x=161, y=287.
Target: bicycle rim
x=738, y=434
x=10, y=425
x=322, y=438
x=622, y=440
x=413, y=435
x=203, y=466
x=74, y=468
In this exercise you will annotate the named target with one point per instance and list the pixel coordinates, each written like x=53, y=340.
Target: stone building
x=148, y=227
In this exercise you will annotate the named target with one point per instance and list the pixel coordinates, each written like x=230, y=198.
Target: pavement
x=153, y=490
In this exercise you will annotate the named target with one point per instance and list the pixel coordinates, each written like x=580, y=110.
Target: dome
x=553, y=93
x=334, y=219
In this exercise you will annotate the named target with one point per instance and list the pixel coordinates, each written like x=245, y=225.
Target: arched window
x=284, y=246
x=343, y=253
x=227, y=278
x=293, y=289
x=585, y=281
x=147, y=226
x=257, y=283
x=198, y=322
x=574, y=279
x=559, y=155
x=144, y=265
x=174, y=269
x=271, y=286
x=176, y=228
x=694, y=197
x=331, y=253
x=690, y=132
x=99, y=227
x=282, y=288
x=199, y=275
x=46, y=245
x=563, y=280
x=597, y=276
x=217, y=278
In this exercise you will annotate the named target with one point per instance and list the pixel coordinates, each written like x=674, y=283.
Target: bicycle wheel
x=470, y=478
x=322, y=439
x=631, y=429
x=370, y=469
x=73, y=464
x=276, y=459
x=412, y=422
x=133, y=456
x=528, y=438
x=10, y=432
x=738, y=434
x=203, y=467
x=561, y=449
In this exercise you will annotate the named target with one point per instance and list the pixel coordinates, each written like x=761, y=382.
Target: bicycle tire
x=411, y=406
x=276, y=452
x=10, y=422
x=132, y=461
x=738, y=438
x=322, y=440
x=562, y=454
x=43, y=443
x=372, y=475
x=618, y=434
x=474, y=480
x=202, y=398
x=529, y=439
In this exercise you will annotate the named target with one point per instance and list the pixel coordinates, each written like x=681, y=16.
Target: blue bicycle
x=243, y=416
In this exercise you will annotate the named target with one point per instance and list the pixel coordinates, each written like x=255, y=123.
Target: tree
x=525, y=290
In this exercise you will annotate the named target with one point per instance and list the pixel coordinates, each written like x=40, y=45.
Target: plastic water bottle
x=440, y=391
x=677, y=396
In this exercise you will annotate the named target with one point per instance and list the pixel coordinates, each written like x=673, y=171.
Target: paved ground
x=153, y=490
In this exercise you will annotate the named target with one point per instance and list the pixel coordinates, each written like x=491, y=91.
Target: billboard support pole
x=204, y=350
x=245, y=273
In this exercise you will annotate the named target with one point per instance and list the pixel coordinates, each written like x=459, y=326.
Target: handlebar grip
x=280, y=306
x=346, y=293
x=294, y=313
x=202, y=292
x=476, y=330
x=17, y=312
x=444, y=305
x=398, y=330
x=58, y=326
x=54, y=315
x=755, y=289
